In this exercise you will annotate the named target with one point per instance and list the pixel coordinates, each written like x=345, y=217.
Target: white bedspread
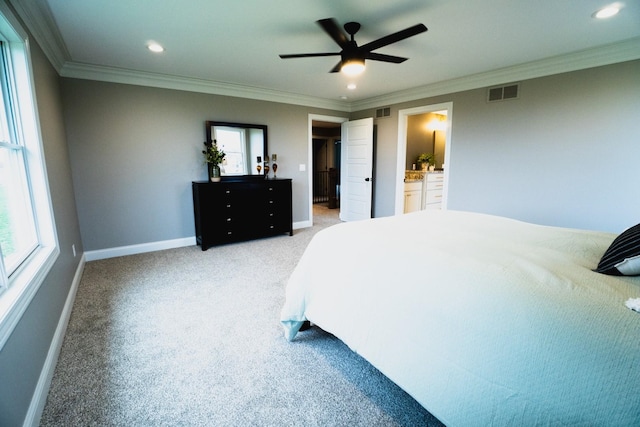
x=483, y=320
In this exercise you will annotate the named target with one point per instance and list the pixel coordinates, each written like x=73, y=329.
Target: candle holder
x=266, y=167
x=259, y=167
x=274, y=158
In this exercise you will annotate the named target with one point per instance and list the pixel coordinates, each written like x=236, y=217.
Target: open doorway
x=324, y=167
x=440, y=139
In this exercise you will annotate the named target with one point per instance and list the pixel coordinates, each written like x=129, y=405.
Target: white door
x=356, y=170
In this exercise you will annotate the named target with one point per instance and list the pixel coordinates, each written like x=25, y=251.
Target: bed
x=484, y=320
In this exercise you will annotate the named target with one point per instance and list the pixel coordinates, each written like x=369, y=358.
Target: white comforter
x=483, y=320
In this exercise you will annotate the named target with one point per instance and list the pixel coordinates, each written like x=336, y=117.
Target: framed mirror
x=244, y=145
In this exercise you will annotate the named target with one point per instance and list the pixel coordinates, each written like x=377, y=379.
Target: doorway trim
x=318, y=118
x=403, y=116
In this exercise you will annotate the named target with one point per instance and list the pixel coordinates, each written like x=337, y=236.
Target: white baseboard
x=157, y=246
x=139, y=249
x=39, y=398
x=302, y=224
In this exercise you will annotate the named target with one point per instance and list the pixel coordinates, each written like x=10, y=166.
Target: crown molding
x=39, y=20
x=627, y=50
x=604, y=55
x=140, y=78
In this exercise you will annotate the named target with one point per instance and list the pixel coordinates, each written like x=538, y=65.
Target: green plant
x=426, y=158
x=212, y=154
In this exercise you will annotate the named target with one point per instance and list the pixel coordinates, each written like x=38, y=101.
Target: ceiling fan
x=353, y=56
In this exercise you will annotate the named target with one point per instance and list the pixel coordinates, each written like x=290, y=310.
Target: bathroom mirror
x=426, y=133
x=244, y=145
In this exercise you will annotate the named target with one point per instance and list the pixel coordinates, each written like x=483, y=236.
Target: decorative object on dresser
x=213, y=156
x=241, y=208
x=266, y=167
x=274, y=165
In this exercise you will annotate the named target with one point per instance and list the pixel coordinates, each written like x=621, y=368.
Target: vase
x=214, y=172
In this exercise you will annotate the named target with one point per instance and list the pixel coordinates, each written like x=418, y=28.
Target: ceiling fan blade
x=337, y=68
x=384, y=58
x=308, y=55
x=392, y=38
x=331, y=27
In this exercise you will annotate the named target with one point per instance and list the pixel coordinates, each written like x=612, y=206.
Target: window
x=17, y=227
x=232, y=142
x=28, y=244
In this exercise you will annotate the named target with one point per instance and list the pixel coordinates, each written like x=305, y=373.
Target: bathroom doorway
x=438, y=135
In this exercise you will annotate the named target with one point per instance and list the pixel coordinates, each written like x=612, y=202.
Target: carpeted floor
x=190, y=338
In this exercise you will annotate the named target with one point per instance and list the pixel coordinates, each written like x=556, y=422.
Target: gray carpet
x=184, y=337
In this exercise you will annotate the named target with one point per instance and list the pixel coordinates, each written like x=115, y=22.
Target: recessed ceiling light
x=607, y=12
x=343, y=97
x=155, y=47
x=351, y=86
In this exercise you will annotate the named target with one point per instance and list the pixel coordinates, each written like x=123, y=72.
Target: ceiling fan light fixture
x=353, y=66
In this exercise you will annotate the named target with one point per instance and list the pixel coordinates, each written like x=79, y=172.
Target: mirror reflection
x=426, y=134
x=245, y=146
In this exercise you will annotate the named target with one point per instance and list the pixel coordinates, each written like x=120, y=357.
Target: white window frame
x=18, y=289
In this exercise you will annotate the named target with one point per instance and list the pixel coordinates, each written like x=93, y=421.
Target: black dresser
x=242, y=208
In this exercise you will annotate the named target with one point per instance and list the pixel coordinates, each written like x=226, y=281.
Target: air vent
x=383, y=112
x=503, y=93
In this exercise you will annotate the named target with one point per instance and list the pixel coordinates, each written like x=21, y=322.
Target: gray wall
x=565, y=153
x=23, y=355
x=135, y=150
x=562, y=154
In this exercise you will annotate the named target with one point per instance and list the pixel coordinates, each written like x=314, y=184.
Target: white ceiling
x=233, y=46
